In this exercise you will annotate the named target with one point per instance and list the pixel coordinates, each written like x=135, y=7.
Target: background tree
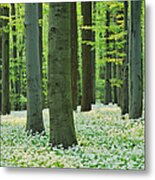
x=60, y=102
x=86, y=57
x=40, y=18
x=5, y=62
x=108, y=95
x=93, y=53
x=136, y=85
x=125, y=89
x=1, y=60
x=34, y=102
x=15, y=81
x=74, y=60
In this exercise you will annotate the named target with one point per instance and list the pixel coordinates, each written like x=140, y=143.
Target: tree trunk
x=86, y=58
x=60, y=102
x=125, y=86
x=40, y=17
x=114, y=87
x=34, y=103
x=5, y=63
x=119, y=88
x=1, y=61
x=136, y=87
x=74, y=60
x=93, y=57
x=16, y=63
x=108, y=95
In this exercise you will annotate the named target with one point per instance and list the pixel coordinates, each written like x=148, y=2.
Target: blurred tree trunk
x=1, y=60
x=40, y=18
x=34, y=102
x=125, y=86
x=74, y=60
x=86, y=58
x=60, y=102
x=114, y=87
x=93, y=55
x=136, y=85
x=108, y=95
x=119, y=77
x=16, y=63
x=5, y=63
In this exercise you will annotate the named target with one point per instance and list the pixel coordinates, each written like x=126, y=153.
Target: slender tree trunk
x=125, y=87
x=93, y=57
x=5, y=63
x=136, y=85
x=114, y=87
x=108, y=95
x=119, y=77
x=16, y=64
x=60, y=102
x=119, y=65
x=34, y=103
x=40, y=17
x=74, y=60
x=86, y=58
x=1, y=61
x=21, y=88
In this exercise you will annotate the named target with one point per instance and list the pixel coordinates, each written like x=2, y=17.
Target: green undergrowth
x=105, y=141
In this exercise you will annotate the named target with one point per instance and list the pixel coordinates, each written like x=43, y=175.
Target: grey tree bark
x=74, y=56
x=5, y=63
x=93, y=55
x=34, y=102
x=136, y=85
x=0, y=61
x=62, y=129
x=40, y=18
x=16, y=64
x=86, y=58
x=125, y=86
x=108, y=94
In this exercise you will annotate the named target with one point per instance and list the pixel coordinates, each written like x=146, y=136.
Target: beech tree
x=0, y=60
x=93, y=55
x=40, y=18
x=86, y=57
x=60, y=102
x=34, y=102
x=108, y=95
x=5, y=63
x=16, y=66
x=125, y=89
x=136, y=85
x=74, y=60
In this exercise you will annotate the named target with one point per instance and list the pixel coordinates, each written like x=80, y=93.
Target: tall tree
x=115, y=100
x=40, y=17
x=108, y=95
x=16, y=64
x=60, y=102
x=74, y=60
x=1, y=60
x=5, y=63
x=136, y=85
x=119, y=77
x=34, y=103
x=86, y=57
x=93, y=54
x=125, y=89
x=119, y=51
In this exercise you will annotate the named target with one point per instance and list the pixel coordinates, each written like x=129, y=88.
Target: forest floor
x=105, y=140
